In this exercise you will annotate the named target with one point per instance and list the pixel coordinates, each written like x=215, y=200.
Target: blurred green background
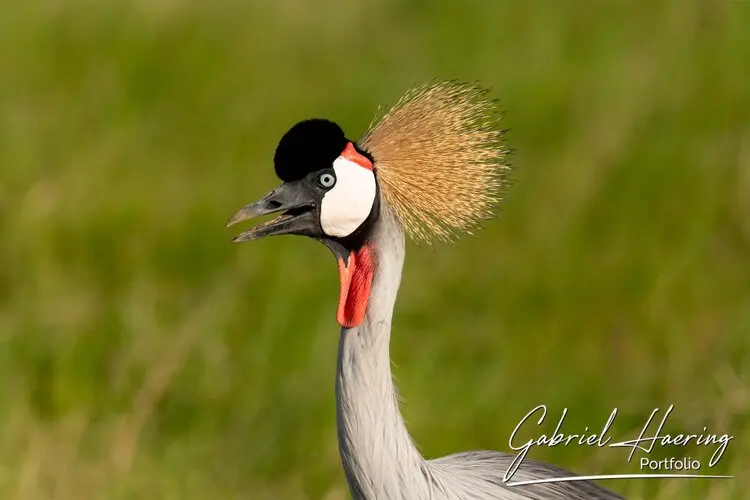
x=144, y=356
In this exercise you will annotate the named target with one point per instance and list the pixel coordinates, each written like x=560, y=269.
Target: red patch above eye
x=351, y=154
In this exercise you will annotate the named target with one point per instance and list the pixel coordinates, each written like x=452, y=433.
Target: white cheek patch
x=348, y=204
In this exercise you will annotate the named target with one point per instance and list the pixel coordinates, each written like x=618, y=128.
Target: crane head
x=328, y=189
x=435, y=158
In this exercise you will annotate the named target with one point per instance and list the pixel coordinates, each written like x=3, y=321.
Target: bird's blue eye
x=327, y=180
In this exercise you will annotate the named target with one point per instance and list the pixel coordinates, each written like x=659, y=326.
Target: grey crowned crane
x=431, y=167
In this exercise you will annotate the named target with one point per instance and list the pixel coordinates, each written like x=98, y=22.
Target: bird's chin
x=337, y=248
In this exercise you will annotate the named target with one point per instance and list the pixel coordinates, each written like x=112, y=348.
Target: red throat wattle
x=355, y=280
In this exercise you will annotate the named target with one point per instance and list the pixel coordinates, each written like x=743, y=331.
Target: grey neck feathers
x=379, y=457
x=377, y=452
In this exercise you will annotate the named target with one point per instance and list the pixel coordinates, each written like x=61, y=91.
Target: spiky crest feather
x=439, y=159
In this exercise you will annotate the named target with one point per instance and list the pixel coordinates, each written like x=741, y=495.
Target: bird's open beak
x=299, y=213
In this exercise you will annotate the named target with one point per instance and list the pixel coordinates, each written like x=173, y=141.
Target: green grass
x=143, y=356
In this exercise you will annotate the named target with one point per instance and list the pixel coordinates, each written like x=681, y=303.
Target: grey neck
x=379, y=457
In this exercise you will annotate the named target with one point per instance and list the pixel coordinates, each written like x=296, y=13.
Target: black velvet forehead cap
x=308, y=146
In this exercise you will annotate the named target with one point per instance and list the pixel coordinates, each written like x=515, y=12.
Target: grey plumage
x=379, y=458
